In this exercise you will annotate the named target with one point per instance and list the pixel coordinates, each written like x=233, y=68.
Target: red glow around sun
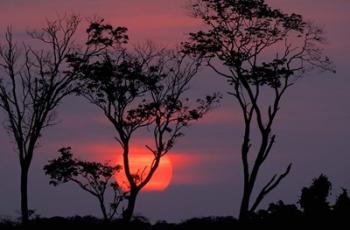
x=141, y=159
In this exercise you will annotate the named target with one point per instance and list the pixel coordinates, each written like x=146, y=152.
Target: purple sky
x=313, y=127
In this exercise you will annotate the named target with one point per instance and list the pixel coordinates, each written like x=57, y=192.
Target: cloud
x=157, y=20
x=221, y=115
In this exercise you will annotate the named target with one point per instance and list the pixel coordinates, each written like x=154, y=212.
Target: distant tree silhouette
x=313, y=199
x=92, y=177
x=139, y=89
x=32, y=84
x=281, y=213
x=260, y=51
x=341, y=208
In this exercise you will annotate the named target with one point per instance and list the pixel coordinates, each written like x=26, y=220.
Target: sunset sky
x=203, y=171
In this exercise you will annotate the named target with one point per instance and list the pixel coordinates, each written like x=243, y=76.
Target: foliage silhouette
x=32, y=85
x=92, y=177
x=260, y=51
x=341, y=208
x=313, y=199
x=278, y=214
x=141, y=89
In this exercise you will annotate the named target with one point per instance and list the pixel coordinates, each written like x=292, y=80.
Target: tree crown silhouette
x=139, y=89
x=260, y=51
x=93, y=177
x=313, y=199
x=32, y=85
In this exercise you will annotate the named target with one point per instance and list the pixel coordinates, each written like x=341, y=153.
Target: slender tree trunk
x=103, y=209
x=244, y=209
x=129, y=211
x=24, y=194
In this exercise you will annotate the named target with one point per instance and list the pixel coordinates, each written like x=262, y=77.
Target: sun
x=141, y=159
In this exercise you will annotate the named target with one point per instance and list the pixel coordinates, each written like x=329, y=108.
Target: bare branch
x=273, y=183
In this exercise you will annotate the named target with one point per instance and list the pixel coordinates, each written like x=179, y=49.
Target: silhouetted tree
x=92, y=177
x=341, y=208
x=313, y=199
x=32, y=84
x=278, y=215
x=260, y=51
x=142, y=88
x=281, y=213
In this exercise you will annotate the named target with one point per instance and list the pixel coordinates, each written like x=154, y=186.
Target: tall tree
x=137, y=90
x=93, y=177
x=260, y=51
x=32, y=84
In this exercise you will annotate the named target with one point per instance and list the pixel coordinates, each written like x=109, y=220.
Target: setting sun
x=140, y=160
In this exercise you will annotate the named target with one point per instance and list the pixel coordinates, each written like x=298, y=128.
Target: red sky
x=313, y=125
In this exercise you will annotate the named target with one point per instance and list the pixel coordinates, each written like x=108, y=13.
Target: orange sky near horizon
x=140, y=158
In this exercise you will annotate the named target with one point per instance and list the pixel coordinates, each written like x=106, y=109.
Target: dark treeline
x=312, y=209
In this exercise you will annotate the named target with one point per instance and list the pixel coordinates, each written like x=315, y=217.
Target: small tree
x=138, y=90
x=92, y=177
x=260, y=51
x=32, y=84
x=341, y=208
x=313, y=199
x=284, y=213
